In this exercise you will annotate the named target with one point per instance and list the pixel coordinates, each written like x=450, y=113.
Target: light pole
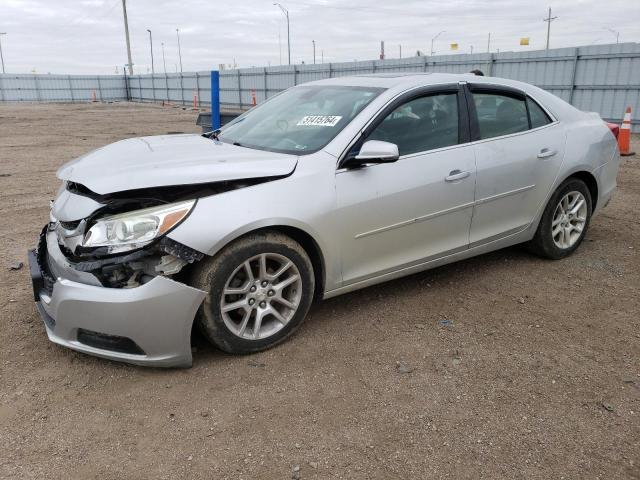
x=432, y=40
x=179, y=51
x=286, y=14
x=549, y=19
x=314, y=51
x=1, y=57
x=126, y=34
x=615, y=32
x=153, y=70
x=164, y=62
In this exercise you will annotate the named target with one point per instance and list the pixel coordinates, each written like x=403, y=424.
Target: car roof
x=407, y=80
x=390, y=80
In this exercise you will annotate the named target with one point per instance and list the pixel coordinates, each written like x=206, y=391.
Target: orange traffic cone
x=624, y=138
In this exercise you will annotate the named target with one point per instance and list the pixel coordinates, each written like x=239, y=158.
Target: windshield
x=300, y=120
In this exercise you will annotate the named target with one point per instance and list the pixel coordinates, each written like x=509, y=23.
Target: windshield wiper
x=237, y=144
x=213, y=134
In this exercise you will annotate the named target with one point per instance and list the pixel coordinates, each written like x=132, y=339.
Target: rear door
x=519, y=149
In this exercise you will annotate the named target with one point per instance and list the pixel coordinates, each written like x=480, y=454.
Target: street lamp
x=153, y=70
x=439, y=33
x=179, y=51
x=314, y=51
x=164, y=62
x=286, y=14
x=1, y=57
x=615, y=32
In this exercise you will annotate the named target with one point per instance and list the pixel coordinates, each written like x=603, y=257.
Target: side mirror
x=374, y=151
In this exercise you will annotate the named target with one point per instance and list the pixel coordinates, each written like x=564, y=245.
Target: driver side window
x=421, y=124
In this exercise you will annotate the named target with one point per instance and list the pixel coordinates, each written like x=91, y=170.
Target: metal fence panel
x=61, y=88
x=601, y=78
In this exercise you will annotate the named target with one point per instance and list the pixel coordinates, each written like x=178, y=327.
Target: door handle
x=546, y=153
x=455, y=175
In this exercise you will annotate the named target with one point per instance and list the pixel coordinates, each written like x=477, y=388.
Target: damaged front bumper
x=149, y=324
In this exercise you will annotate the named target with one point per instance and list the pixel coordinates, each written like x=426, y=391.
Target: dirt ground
x=502, y=366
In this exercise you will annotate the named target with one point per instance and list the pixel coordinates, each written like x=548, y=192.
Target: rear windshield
x=299, y=121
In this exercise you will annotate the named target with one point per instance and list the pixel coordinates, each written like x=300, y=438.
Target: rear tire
x=564, y=222
x=260, y=288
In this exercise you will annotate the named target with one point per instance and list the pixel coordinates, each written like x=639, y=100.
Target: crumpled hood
x=166, y=160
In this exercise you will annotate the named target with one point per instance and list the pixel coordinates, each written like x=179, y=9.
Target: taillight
x=615, y=129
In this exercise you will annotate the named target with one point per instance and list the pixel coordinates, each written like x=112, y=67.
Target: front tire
x=260, y=289
x=564, y=222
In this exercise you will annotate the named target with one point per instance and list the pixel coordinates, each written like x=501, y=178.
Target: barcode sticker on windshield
x=320, y=120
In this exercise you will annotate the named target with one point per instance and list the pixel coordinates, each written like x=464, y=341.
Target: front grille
x=113, y=343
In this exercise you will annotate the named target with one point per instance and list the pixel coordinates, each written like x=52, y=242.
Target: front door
x=401, y=214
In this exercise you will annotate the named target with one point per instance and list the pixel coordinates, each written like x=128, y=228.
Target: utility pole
x=126, y=33
x=400, y=47
x=153, y=70
x=179, y=51
x=164, y=62
x=433, y=39
x=286, y=14
x=471, y=47
x=489, y=43
x=321, y=56
x=381, y=49
x=1, y=57
x=549, y=19
x=314, y=51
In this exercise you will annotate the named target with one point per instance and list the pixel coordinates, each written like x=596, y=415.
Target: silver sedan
x=325, y=188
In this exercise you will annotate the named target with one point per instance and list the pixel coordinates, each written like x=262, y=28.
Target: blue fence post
x=215, y=99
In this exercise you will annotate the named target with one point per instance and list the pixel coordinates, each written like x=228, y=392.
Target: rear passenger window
x=538, y=116
x=500, y=115
x=421, y=124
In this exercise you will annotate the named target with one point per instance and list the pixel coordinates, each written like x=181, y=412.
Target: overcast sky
x=87, y=36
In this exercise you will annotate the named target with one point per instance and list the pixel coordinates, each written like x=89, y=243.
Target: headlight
x=131, y=230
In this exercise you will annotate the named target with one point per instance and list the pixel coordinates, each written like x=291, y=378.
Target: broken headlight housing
x=132, y=230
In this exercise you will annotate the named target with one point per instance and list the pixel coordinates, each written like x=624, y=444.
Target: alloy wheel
x=261, y=296
x=569, y=220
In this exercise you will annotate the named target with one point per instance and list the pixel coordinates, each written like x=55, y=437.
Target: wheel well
x=591, y=183
x=311, y=247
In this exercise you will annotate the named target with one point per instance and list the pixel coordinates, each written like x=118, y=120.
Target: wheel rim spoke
x=258, y=323
x=245, y=322
x=285, y=302
x=283, y=269
x=285, y=283
x=237, y=291
x=249, y=272
x=577, y=207
x=279, y=316
x=263, y=267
